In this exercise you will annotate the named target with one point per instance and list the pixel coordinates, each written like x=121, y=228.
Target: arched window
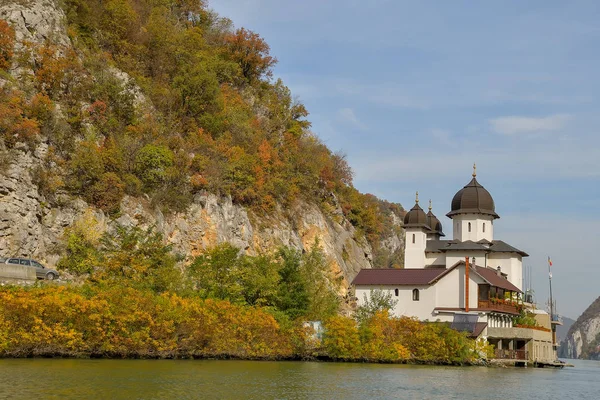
x=484, y=227
x=469, y=227
x=413, y=237
x=415, y=294
x=396, y=292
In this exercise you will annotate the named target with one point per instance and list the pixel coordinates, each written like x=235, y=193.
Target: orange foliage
x=251, y=52
x=7, y=42
x=56, y=70
x=15, y=124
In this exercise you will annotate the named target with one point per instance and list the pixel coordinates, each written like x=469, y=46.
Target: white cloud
x=348, y=116
x=511, y=125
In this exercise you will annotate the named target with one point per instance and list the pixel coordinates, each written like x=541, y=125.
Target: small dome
x=434, y=224
x=473, y=199
x=416, y=217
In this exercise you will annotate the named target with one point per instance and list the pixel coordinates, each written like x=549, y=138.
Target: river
x=208, y=379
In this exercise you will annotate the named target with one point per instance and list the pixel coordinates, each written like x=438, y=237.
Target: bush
x=341, y=340
x=108, y=192
x=152, y=163
x=7, y=42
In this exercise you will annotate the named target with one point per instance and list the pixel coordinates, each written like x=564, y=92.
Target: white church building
x=435, y=284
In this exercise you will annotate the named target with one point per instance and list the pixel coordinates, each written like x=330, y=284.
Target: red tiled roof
x=492, y=277
x=394, y=276
x=479, y=327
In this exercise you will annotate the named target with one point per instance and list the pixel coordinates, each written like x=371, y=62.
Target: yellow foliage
x=125, y=322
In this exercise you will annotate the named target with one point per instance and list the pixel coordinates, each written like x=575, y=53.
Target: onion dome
x=434, y=224
x=416, y=217
x=473, y=199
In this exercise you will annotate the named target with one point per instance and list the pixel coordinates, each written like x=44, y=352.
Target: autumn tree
x=139, y=257
x=251, y=52
x=7, y=42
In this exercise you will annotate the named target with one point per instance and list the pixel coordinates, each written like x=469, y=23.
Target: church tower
x=473, y=213
x=416, y=229
x=435, y=231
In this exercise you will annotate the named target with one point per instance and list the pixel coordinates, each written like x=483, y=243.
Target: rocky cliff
x=583, y=339
x=32, y=225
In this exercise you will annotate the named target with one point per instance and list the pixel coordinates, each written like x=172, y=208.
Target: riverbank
x=120, y=322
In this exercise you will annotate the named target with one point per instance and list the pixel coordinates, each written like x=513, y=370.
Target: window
x=37, y=264
x=13, y=261
x=484, y=227
x=469, y=227
x=25, y=262
x=415, y=294
x=396, y=292
x=413, y=237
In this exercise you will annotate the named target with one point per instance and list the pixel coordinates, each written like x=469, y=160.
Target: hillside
x=583, y=339
x=162, y=114
x=563, y=330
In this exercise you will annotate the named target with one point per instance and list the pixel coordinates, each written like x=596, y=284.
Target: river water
x=208, y=379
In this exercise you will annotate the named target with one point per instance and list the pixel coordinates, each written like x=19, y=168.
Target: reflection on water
x=191, y=379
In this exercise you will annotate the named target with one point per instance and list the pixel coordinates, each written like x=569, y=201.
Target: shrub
x=7, y=42
x=152, y=163
x=341, y=339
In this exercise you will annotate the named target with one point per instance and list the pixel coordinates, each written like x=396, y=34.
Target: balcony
x=499, y=306
x=505, y=354
x=556, y=319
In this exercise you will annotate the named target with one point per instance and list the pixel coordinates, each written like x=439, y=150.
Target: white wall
x=414, y=255
x=460, y=227
x=435, y=259
x=452, y=257
x=405, y=306
x=511, y=264
x=450, y=290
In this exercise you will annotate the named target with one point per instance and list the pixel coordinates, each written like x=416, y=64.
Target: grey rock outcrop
x=36, y=21
x=29, y=227
x=583, y=339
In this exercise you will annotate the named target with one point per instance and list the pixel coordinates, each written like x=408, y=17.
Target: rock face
x=36, y=21
x=30, y=227
x=583, y=339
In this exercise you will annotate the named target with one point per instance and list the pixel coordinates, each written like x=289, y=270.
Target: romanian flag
x=549, y=262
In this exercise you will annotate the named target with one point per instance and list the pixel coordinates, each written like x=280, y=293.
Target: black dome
x=434, y=224
x=473, y=199
x=416, y=218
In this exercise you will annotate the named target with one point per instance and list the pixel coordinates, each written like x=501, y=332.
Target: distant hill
x=583, y=338
x=562, y=331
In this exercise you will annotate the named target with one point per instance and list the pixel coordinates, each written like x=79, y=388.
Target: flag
x=549, y=262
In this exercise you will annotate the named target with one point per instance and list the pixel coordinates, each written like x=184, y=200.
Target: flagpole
x=550, y=280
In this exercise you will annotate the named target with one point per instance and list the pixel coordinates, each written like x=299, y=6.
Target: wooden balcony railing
x=506, y=354
x=501, y=307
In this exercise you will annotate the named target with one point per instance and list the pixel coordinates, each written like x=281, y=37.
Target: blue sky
x=416, y=92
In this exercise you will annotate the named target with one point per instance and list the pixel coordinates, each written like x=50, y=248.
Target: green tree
x=140, y=258
x=321, y=285
x=292, y=294
x=152, y=164
x=217, y=273
x=378, y=301
x=259, y=280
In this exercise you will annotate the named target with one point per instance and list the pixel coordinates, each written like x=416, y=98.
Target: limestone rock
x=583, y=339
x=36, y=21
